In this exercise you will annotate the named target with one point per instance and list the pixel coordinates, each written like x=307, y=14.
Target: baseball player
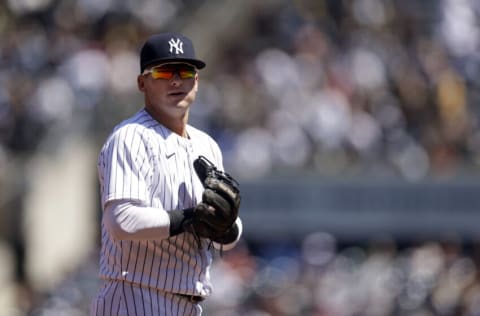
x=166, y=200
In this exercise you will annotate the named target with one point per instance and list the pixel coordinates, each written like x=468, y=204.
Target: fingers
x=216, y=200
x=211, y=216
x=221, y=202
x=225, y=190
x=225, y=186
x=224, y=213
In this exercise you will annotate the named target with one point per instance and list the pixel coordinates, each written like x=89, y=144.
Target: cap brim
x=195, y=62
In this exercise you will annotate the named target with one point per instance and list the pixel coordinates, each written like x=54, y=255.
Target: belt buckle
x=195, y=298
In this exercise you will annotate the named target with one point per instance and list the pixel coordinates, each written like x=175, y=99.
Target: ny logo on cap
x=177, y=45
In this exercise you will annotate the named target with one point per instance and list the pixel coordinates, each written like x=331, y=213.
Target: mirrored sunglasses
x=168, y=71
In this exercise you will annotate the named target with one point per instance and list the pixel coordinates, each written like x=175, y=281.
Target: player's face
x=169, y=89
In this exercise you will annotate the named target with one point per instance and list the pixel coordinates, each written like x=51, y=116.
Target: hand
x=218, y=211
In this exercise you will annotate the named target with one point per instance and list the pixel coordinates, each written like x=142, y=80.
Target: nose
x=176, y=80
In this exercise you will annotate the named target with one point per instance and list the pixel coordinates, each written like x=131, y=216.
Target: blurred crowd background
x=360, y=90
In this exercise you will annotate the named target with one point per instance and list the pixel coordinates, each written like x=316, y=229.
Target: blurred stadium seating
x=353, y=125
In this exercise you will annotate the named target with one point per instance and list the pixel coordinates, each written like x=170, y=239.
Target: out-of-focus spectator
x=344, y=86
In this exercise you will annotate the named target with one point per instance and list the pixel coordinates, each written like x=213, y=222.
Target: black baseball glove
x=215, y=216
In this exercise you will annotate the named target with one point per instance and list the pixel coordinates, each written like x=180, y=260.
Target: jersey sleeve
x=123, y=167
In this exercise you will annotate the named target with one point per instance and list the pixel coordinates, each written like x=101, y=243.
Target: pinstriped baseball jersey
x=144, y=161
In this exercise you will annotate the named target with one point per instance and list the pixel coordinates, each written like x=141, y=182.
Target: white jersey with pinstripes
x=143, y=161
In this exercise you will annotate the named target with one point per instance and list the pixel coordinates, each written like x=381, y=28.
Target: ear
x=196, y=82
x=141, y=83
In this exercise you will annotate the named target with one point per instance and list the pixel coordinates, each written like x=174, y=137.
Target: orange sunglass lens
x=162, y=73
x=186, y=74
x=158, y=73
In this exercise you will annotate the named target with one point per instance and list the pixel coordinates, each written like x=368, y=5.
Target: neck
x=178, y=125
x=179, y=128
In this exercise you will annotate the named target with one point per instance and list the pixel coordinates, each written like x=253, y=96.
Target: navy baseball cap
x=168, y=47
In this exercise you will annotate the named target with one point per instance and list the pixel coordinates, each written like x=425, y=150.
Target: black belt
x=192, y=298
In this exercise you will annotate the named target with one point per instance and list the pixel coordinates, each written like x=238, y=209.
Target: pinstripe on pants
x=122, y=298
